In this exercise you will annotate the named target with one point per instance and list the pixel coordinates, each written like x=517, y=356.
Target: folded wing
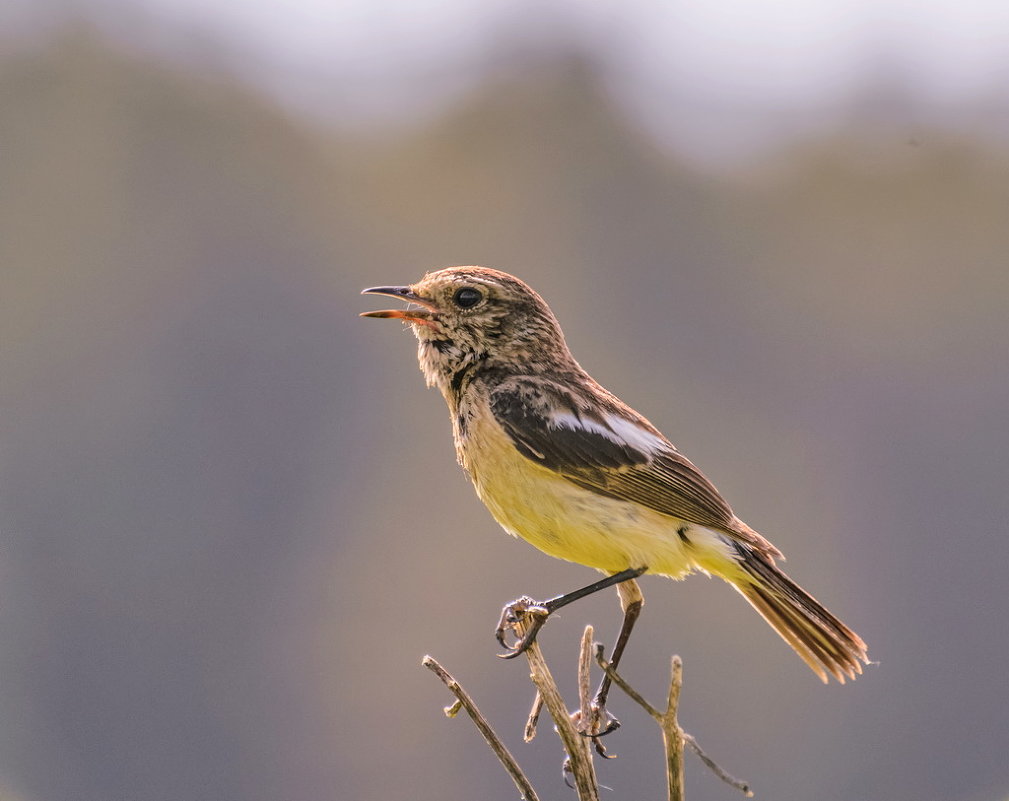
x=607, y=448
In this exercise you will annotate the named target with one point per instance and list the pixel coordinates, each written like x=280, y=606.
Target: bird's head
x=465, y=316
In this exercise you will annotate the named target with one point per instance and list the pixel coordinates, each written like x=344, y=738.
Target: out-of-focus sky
x=748, y=71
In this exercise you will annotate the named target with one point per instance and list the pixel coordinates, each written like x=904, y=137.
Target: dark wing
x=612, y=454
x=531, y=421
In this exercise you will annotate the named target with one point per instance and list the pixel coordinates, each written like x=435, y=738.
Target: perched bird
x=562, y=463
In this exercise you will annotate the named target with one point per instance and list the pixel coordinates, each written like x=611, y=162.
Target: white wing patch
x=616, y=429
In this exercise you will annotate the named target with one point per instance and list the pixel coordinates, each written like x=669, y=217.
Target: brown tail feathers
x=824, y=642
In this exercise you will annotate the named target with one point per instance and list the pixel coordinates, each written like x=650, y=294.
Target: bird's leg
x=601, y=721
x=540, y=610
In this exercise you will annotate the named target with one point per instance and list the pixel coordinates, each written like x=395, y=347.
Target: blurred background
x=230, y=519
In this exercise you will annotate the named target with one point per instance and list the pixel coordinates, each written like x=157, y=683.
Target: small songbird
x=562, y=463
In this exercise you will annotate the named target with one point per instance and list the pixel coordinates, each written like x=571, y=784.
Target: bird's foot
x=598, y=724
x=525, y=612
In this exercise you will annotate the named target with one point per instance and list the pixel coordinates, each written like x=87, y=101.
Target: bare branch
x=673, y=736
x=577, y=747
x=585, y=677
x=715, y=768
x=498, y=747
x=623, y=685
x=534, y=718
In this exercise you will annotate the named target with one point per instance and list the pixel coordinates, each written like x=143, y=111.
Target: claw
x=510, y=617
x=595, y=728
x=540, y=610
x=567, y=771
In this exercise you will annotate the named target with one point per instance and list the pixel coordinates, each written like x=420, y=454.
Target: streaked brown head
x=468, y=316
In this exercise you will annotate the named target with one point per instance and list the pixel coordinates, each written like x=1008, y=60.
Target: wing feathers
x=612, y=452
x=561, y=437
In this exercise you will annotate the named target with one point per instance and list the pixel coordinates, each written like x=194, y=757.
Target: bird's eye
x=467, y=297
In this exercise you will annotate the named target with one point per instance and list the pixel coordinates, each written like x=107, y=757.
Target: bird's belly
x=572, y=523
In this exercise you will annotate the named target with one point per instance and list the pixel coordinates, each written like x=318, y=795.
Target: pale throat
x=442, y=361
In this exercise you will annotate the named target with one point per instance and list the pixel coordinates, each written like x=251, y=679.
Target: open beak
x=426, y=315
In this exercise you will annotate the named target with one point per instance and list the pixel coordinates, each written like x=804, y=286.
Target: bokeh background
x=230, y=519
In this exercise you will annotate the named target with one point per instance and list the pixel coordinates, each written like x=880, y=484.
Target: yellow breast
x=568, y=522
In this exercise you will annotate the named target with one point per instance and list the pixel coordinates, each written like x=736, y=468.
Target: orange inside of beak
x=421, y=316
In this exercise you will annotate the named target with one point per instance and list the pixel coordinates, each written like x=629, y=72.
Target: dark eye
x=467, y=297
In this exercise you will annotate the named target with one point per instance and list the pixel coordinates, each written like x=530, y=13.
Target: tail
x=824, y=642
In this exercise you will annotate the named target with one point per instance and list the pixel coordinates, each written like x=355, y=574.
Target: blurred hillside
x=231, y=521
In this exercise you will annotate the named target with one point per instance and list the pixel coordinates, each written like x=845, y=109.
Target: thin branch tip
x=576, y=746
x=578, y=770
x=464, y=701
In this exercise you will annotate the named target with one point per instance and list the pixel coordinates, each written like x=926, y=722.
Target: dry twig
x=534, y=718
x=576, y=746
x=498, y=747
x=673, y=736
x=579, y=763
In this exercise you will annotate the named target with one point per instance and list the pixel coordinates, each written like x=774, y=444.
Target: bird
x=565, y=465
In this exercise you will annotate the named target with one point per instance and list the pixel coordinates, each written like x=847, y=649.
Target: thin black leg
x=601, y=722
x=512, y=611
x=631, y=614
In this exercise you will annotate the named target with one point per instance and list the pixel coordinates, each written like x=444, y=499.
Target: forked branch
x=500, y=751
x=674, y=738
x=579, y=765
